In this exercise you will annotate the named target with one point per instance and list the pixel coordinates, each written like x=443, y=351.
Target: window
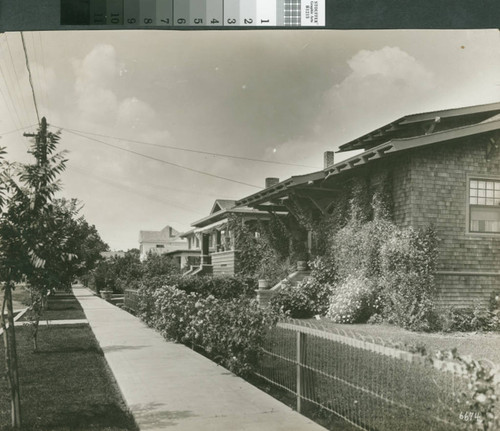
x=484, y=206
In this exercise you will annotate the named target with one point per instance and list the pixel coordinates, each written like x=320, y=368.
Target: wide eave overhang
x=315, y=181
x=224, y=214
x=387, y=132
x=279, y=190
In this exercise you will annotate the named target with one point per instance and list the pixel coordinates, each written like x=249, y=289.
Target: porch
x=224, y=262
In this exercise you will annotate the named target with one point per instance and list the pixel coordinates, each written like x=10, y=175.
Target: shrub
x=356, y=248
x=408, y=260
x=230, y=331
x=308, y=298
x=173, y=313
x=352, y=300
x=467, y=319
x=146, y=293
x=219, y=286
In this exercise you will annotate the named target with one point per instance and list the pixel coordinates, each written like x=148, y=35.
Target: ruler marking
x=164, y=14
x=195, y=13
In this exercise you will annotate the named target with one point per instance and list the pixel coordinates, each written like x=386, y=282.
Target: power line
x=163, y=161
x=17, y=130
x=188, y=149
x=4, y=76
x=45, y=88
x=29, y=76
x=16, y=78
x=132, y=190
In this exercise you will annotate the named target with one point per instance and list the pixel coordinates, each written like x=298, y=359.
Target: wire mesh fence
x=371, y=385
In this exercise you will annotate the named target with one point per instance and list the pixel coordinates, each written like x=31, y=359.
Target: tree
x=29, y=237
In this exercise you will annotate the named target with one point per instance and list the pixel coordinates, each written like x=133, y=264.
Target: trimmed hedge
x=230, y=331
x=219, y=286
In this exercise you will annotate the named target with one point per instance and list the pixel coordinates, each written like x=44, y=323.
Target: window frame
x=479, y=177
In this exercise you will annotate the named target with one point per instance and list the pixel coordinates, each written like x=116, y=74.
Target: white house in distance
x=166, y=240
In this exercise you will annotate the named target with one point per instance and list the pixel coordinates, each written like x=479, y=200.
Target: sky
x=276, y=96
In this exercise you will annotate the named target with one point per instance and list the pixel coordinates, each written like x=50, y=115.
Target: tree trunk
x=11, y=356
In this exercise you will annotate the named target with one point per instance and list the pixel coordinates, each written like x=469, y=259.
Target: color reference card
x=195, y=13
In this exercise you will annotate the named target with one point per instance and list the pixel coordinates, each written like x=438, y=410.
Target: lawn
x=60, y=306
x=20, y=297
x=67, y=384
x=373, y=390
x=479, y=345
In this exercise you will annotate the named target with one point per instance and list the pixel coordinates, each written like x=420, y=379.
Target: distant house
x=213, y=238
x=160, y=242
x=444, y=169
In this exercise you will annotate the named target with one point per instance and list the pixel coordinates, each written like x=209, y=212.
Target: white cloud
x=135, y=114
x=380, y=87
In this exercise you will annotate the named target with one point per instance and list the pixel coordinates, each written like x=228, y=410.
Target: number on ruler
x=115, y=18
x=231, y=21
x=131, y=21
x=198, y=20
x=181, y=21
x=148, y=21
x=166, y=20
x=214, y=21
x=248, y=20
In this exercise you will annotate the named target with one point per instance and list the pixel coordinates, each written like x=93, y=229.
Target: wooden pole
x=301, y=352
x=12, y=359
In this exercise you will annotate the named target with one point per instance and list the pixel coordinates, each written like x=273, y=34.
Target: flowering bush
x=408, y=260
x=480, y=397
x=174, y=311
x=352, y=300
x=230, y=331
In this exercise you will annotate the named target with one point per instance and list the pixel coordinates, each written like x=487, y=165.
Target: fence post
x=301, y=359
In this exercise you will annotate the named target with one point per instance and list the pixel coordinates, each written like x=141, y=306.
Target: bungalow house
x=443, y=168
x=166, y=240
x=213, y=237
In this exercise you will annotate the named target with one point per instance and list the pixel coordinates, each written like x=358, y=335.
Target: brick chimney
x=329, y=159
x=271, y=181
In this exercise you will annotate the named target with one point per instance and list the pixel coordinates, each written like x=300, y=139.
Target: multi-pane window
x=484, y=206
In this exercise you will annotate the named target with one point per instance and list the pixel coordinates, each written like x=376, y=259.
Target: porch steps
x=201, y=270
x=294, y=278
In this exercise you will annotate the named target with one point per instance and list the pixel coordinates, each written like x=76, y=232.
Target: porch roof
x=222, y=215
x=281, y=189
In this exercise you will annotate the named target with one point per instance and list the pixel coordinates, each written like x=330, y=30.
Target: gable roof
x=422, y=124
x=222, y=204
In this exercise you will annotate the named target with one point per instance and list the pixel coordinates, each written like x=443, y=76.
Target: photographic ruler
x=164, y=14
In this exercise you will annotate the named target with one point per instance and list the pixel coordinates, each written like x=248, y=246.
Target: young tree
x=10, y=246
x=28, y=238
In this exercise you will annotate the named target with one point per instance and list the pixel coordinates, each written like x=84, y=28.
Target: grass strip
x=66, y=385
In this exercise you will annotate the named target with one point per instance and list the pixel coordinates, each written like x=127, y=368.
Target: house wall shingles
x=439, y=196
x=401, y=192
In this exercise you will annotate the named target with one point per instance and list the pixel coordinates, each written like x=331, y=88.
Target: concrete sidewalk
x=167, y=385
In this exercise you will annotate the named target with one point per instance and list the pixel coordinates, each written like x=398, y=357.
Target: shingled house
x=444, y=169
x=213, y=238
